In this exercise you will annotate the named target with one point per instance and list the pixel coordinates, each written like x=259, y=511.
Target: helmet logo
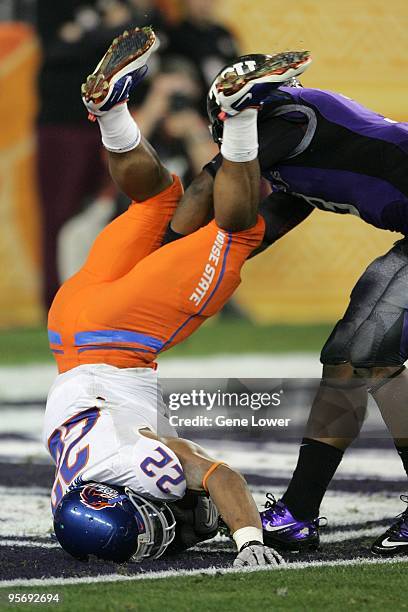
x=98, y=497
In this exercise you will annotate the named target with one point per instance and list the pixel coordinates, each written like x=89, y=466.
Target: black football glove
x=196, y=521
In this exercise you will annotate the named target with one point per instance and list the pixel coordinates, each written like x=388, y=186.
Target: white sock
x=240, y=138
x=120, y=132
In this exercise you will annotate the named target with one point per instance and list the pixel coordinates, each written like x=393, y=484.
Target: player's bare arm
x=226, y=487
x=196, y=207
x=282, y=212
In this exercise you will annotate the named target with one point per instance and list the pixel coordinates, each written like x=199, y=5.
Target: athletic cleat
x=282, y=531
x=234, y=92
x=395, y=540
x=122, y=66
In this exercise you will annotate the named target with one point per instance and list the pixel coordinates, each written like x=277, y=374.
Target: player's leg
x=169, y=294
x=140, y=230
x=134, y=165
x=378, y=354
x=237, y=184
x=380, y=346
x=337, y=413
x=335, y=421
x=239, y=93
x=389, y=388
x=239, y=87
x=232, y=198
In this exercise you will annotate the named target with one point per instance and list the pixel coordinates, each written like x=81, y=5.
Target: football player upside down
x=120, y=467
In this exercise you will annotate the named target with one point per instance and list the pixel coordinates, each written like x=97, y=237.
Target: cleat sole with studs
x=123, y=51
x=291, y=62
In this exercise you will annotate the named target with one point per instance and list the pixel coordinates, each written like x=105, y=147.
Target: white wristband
x=247, y=534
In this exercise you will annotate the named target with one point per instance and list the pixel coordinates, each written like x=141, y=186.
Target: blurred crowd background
x=55, y=191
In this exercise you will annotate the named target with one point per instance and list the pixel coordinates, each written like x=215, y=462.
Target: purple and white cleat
x=282, y=531
x=395, y=540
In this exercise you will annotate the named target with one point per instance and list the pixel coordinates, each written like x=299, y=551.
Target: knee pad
x=379, y=342
x=337, y=348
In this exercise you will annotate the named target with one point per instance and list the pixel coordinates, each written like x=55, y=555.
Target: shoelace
x=400, y=518
x=271, y=503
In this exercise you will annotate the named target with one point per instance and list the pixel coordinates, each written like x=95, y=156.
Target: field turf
x=361, y=503
x=362, y=587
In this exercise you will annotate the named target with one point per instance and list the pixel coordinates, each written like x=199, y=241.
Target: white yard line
x=29, y=544
x=211, y=571
x=330, y=538
x=354, y=534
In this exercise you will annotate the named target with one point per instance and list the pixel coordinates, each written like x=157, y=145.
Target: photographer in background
x=172, y=121
x=71, y=169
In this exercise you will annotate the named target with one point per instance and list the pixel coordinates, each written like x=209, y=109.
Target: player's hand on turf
x=255, y=554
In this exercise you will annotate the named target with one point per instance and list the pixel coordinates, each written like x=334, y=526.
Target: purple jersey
x=350, y=159
x=336, y=155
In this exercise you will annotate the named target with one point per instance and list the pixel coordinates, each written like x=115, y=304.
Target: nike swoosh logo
x=128, y=80
x=388, y=544
x=268, y=529
x=248, y=96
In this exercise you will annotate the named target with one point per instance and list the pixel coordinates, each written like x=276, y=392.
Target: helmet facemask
x=160, y=527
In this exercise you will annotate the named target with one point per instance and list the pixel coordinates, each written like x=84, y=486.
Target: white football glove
x=256, y=554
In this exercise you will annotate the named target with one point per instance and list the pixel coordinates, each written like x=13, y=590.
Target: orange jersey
x=132, y=299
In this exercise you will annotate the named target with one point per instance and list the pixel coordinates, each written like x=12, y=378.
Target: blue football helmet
x=112, y=523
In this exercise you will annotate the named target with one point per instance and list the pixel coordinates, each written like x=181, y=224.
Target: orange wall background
x=19, y=212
